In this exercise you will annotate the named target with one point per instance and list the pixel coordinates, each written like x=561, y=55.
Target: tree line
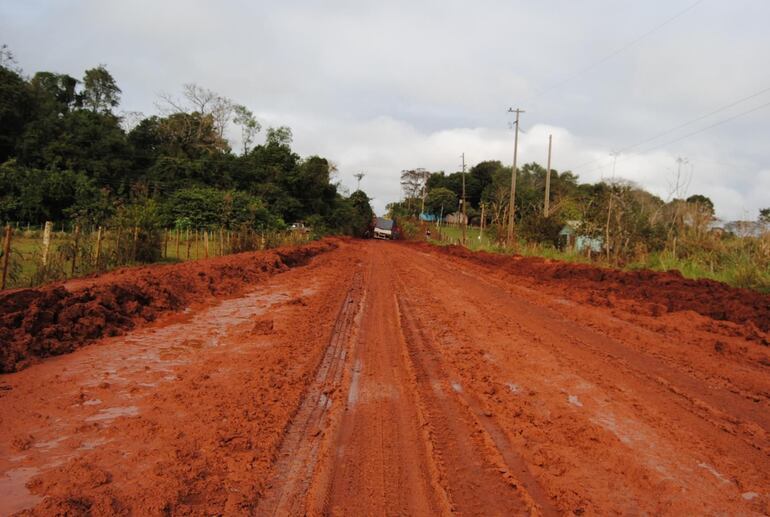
x=67, y=154
x=628, y=221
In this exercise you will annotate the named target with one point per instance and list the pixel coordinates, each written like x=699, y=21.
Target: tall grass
x=739, y=262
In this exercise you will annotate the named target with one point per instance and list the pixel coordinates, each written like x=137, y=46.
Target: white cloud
x=383, y=86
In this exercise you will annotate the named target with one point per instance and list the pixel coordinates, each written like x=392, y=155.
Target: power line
x=701, y=130
x=682, y=125
x=615, y=52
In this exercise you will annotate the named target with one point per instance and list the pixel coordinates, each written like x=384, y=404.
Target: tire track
x=486, y=478
x=298, y=456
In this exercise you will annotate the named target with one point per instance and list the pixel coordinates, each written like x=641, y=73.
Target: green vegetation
x=66, y=155
x=629, y=227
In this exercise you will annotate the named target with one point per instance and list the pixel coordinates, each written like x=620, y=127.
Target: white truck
x=384, y=229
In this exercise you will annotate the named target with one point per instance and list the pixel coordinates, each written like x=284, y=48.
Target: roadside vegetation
x=69, y=156
x=613, y=223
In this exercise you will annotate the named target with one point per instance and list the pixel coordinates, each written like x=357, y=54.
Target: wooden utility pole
x=512, y=207
x=465, y=217
x=6, y=253
x=547, y=202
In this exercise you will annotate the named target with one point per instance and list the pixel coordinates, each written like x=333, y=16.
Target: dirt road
x=393, y=379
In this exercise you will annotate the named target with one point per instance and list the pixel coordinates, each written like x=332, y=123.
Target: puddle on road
x=574, y=400
x=108, y=414
x=353, y=391
x=14, y=494
x=714, y=472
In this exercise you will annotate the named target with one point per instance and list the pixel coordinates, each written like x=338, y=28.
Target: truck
x=385, y=229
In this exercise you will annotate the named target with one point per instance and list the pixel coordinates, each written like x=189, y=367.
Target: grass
x=735, y=262
x=26, y=249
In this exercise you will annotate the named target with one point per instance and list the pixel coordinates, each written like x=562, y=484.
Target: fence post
x=165, y=244
x=98, y=247
x=46, y=241
x=206, y=243
x=178, y=257
x=221, y=242
x=188, y=244
x=133, y=246
x=6, y=252
x=196, y=244
x=75, y=250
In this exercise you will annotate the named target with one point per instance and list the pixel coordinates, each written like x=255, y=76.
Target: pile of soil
x=661, y=291
x=57, y=319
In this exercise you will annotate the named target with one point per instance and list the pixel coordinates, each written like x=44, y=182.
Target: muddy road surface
x=379, y=378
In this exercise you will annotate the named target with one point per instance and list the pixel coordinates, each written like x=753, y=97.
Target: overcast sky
x=383, y=86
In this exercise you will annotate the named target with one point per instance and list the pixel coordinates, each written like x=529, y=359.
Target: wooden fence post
x=196, y=244
x=98, y=250
x=221, y=242
x=206, y=243
x=75, y=249
x=177, y=244
x=6, y=253
x=46, y=241
x=133, y=246
x=165, y=243
x=188, y=244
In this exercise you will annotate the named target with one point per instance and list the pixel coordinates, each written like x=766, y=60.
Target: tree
x=279, y=136
x=100, y=91
x=441, y=201
x=705, y=203
x=764, y=215
x=249, y=126
x=200, y=100
x=16, y=106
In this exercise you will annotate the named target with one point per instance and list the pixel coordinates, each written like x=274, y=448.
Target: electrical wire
x=615, y=52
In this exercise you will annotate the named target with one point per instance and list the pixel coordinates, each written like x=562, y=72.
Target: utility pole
x=359, y=176
x=465, y=218
x=512, y=207
x=425, y=175
x=547, y=204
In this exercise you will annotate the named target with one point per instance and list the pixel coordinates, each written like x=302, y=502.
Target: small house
x=570, y=237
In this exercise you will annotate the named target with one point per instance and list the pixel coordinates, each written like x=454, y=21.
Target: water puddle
x=108, y=414
x=574, y=400
x=353, y=391
x=714, y=472
x=14, y=494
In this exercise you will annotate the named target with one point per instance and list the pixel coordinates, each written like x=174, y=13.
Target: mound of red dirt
x=59, y=318
x=662, y=291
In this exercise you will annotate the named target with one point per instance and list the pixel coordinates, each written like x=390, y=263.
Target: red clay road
x=393, y=379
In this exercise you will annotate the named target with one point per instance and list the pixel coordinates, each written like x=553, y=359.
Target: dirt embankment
x=57, y=319
x=651, y=292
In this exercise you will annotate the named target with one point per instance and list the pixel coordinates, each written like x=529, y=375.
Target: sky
x=379, y=87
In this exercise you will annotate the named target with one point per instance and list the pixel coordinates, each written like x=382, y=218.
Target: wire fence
x=32, y=255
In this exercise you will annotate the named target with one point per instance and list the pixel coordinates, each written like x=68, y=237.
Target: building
x=570, y=237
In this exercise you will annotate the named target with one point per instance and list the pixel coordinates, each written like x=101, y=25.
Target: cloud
x=384, y=86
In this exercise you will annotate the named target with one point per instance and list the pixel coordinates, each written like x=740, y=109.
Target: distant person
x=427, y=234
